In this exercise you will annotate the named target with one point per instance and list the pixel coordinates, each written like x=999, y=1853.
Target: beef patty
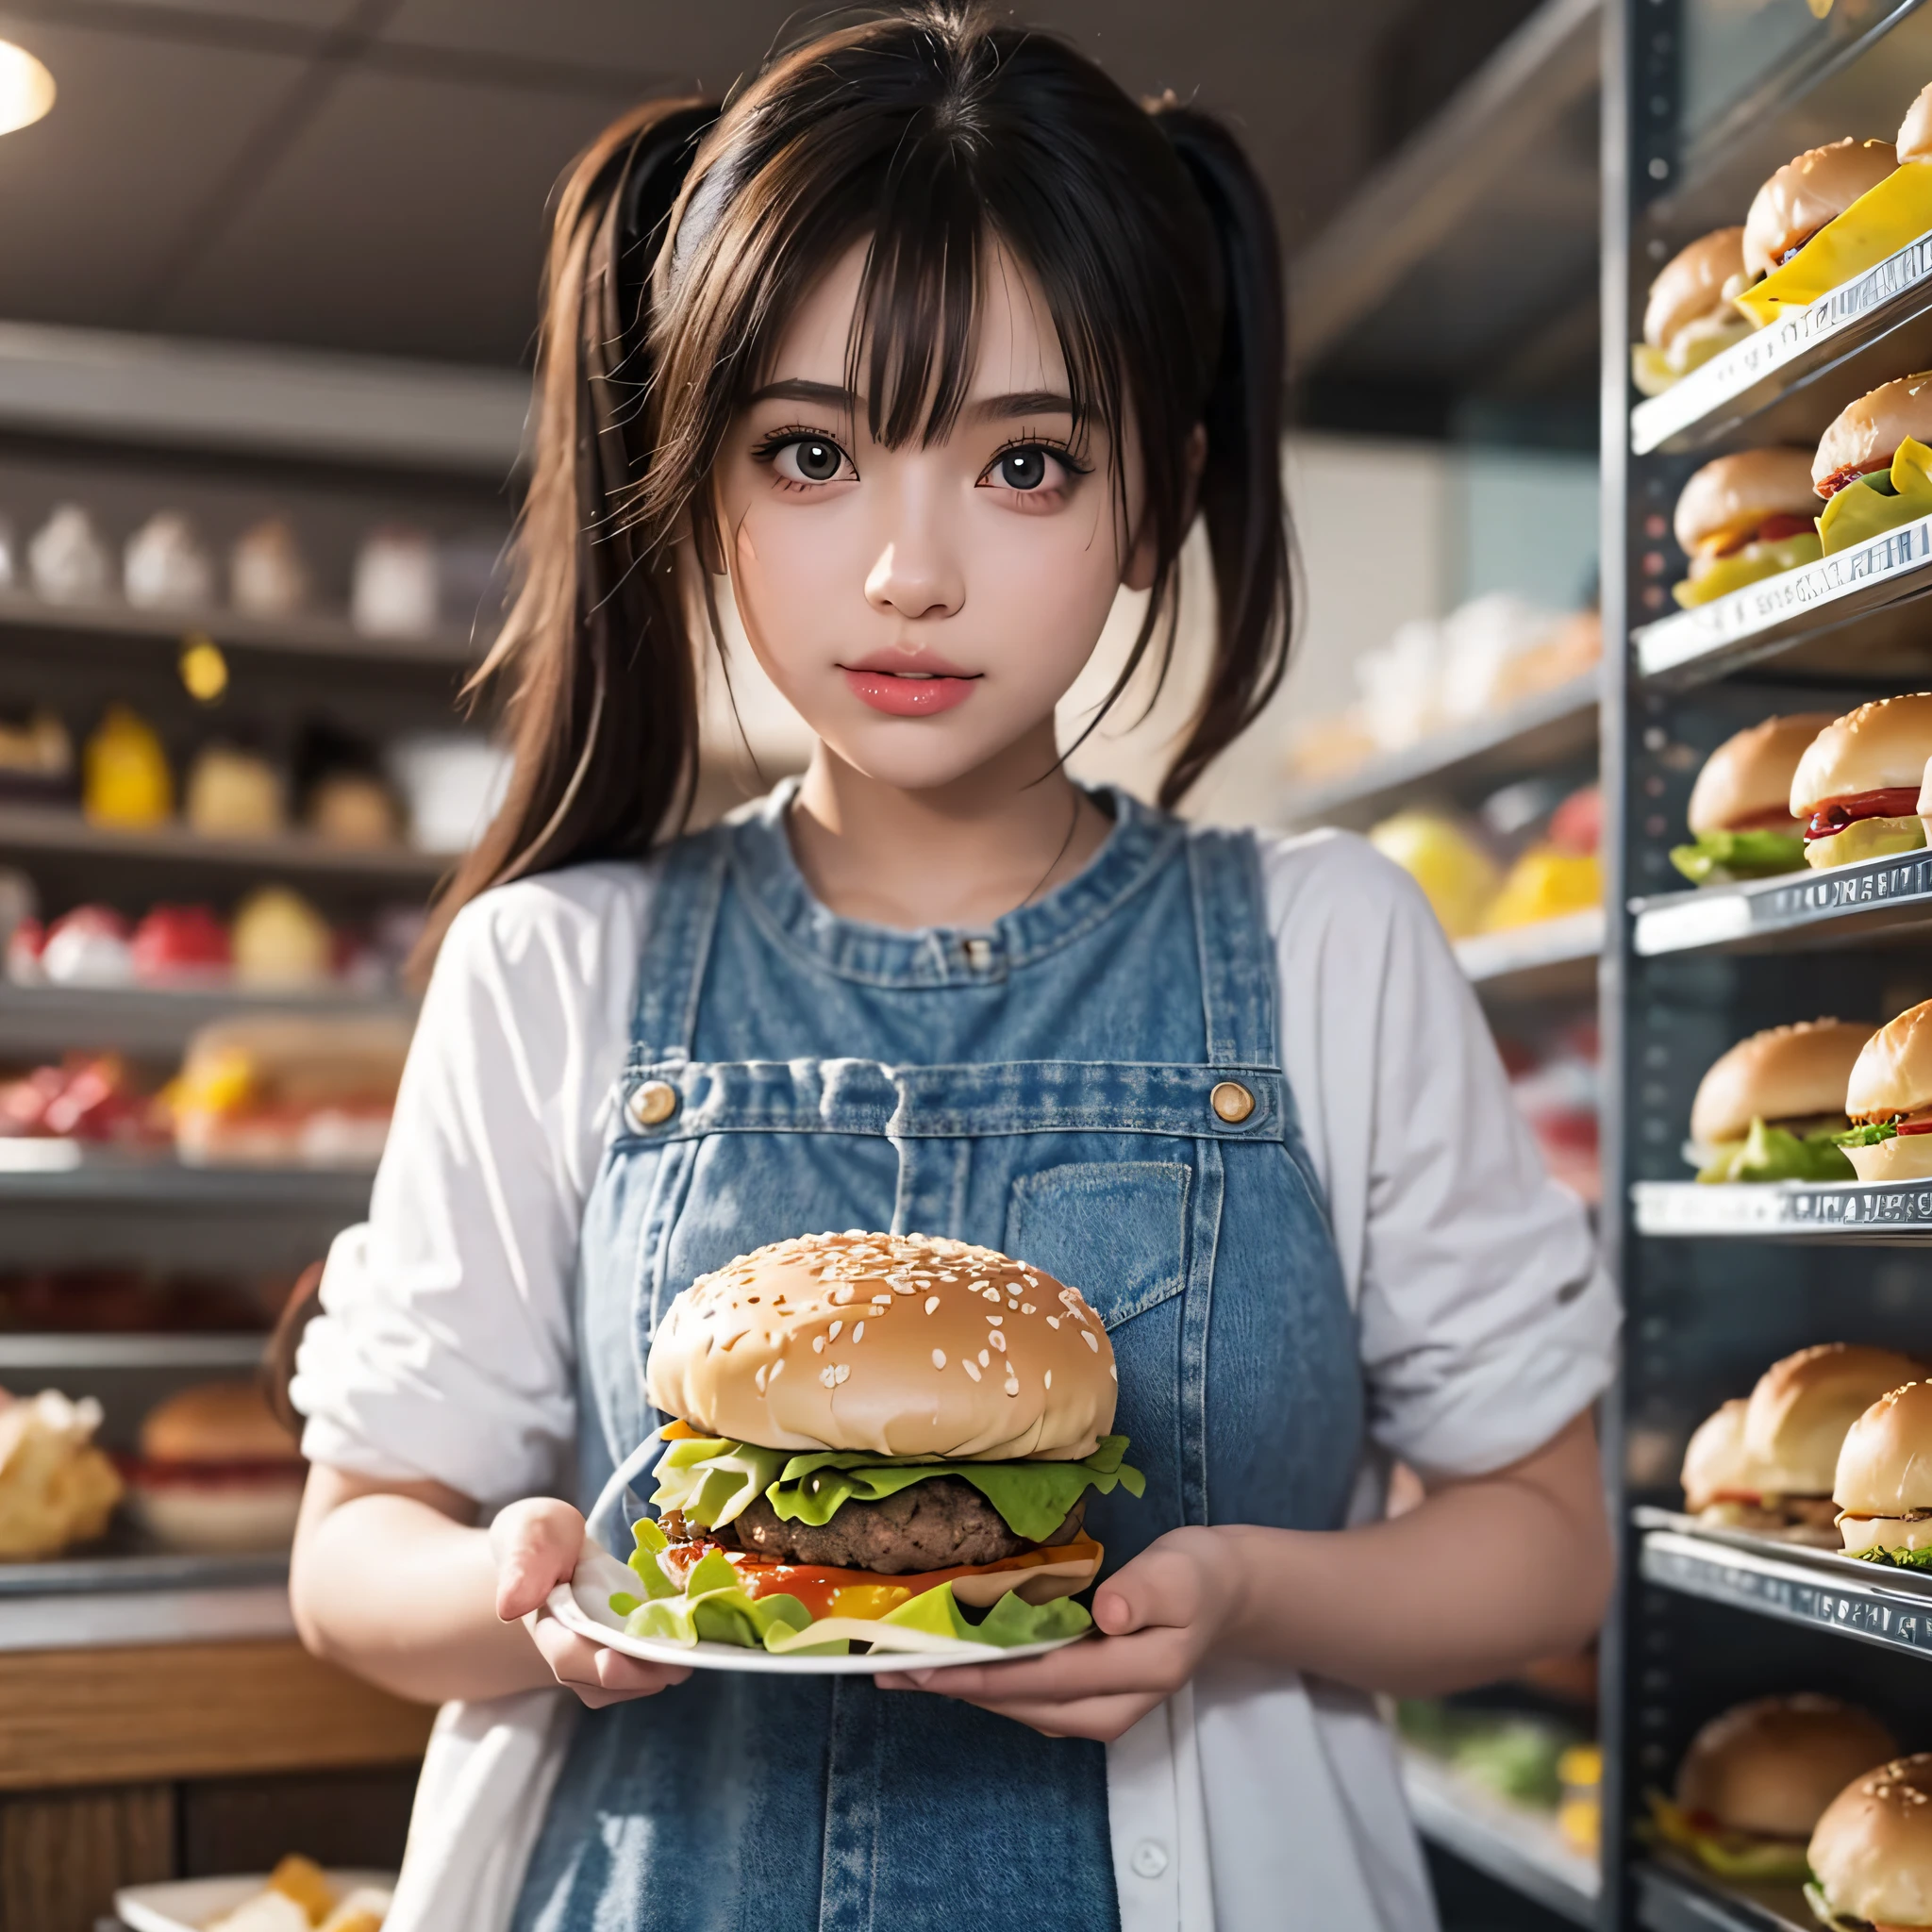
x=940, y=1523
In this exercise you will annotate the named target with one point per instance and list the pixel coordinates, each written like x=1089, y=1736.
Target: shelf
x=1672, y=1900
x=118, y=1575
x=51, y=1354
x=43, y=832
x=1788, y=381
x=316, y=635
x=62, y=1174
x=1832, y=907
x=37, y=1020
x=1519, y=1848
x=1555, y=959
x=1787, y=1211
x=1545, y=730
x=1768, y=618
x=1813, y=1589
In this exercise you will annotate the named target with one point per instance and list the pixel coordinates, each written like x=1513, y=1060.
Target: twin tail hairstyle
x=684, y=239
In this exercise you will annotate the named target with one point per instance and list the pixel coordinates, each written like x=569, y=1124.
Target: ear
x=1139, y=574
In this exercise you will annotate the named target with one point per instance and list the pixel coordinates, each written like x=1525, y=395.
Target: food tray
x=583, y=1606
x=188, y=1904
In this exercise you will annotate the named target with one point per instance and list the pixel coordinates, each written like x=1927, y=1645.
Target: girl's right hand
x=536, y=1545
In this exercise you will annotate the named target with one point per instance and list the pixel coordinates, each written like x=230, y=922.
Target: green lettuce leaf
x=1033, y=1497
x=1869, y=1136
x=1776, y=1153
x=714, y=1608
x=1718, y=857
x=1011, y=1622
x=1886, y=500
x=1898, y=1560
x=711, y=1480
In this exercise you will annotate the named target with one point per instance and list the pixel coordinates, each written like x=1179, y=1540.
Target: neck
x=959, y=854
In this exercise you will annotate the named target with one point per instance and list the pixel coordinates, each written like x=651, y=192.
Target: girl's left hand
x=1159, y=1617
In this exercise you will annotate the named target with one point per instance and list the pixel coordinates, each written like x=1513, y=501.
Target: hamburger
x=874, y=1436
x=1740, y=806
x=1875, y=209
x=1757, y=1778
x=1883, y=1484
x=1743, y=518
x=216, y=1471
x=1873, y=467
x=1773, y=1108
x=1871, y=1856
x=1889, y=1101
x=1806, y=195
x=1770, y=1462
x=1691, y=316
x=1857, y=786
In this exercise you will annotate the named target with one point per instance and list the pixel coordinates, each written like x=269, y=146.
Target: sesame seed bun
x=1893, y=1074
x=1738, y=493
x=1814, y=188
x=1872, y=1851
x=1883, y=1467
x=1690, y=286
x=1715, y=1461
x=1914, y=142
x=1750, y=774
x=1879, y=747
x=1803, y=1406
x=1867, y=433
x=1771, y=1767
x=899, y=1344
x=1783, y=1073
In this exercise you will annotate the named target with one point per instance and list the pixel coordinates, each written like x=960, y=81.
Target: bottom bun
x=1903, y=1158
x=233, y=1517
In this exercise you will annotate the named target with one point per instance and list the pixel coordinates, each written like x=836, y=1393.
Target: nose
x=918, y=572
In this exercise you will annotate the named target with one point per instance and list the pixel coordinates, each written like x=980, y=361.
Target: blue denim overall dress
x=1045, y=1086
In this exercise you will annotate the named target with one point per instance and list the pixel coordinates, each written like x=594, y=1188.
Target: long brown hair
x=684, y=239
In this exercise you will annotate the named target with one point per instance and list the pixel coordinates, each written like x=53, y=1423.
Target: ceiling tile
x=93, y=197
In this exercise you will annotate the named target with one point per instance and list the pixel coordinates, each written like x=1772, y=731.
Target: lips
x=886, y=683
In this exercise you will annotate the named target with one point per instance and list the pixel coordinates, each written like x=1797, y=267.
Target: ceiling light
x=26, y=88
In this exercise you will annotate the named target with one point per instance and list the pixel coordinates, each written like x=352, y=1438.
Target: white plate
x=583, y=1606
x=188, y=1904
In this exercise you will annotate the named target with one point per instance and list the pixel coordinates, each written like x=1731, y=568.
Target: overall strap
x=670, y=975
x=1237, y=958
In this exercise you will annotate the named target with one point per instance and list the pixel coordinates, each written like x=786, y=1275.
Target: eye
x=813, y=459
x=1030, y=469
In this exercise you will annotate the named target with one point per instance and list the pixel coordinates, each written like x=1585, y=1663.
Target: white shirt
x=446, y=1348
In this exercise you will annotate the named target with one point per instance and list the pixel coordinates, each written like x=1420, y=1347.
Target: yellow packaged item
x=1882, y=221
x=1458, y=877
x=124, y=774
x=1546, y=884
x=302, y=1880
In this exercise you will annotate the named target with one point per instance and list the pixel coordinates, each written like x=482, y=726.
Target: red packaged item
x=177, y=944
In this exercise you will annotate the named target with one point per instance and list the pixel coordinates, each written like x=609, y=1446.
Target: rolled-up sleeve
x=1486, y=1319
x=444, y=1347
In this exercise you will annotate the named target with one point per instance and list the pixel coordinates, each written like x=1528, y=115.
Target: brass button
x=1232, y=1102
x=653, y=1104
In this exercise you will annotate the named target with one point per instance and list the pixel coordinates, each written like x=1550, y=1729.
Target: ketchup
x=1845, y=478
x=1898, y=802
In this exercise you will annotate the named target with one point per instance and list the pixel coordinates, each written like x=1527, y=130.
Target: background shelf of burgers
x=1705, y=1316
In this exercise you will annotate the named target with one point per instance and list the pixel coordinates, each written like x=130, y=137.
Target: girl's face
x=924, y=608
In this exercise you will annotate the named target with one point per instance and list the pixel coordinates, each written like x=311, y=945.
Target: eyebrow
x=1023, y=402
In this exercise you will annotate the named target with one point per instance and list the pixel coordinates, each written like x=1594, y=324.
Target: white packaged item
x=452, y=782
x=1480, y=641
x=1399, y=685
x=394, y=591
x=165, y=567
x=267, y=575
x=69, y=560
x=88, y=948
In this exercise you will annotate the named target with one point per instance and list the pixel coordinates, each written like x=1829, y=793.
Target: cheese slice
x=1882, y=221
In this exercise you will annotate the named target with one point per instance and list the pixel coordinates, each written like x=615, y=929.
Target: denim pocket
x=1116, y=1231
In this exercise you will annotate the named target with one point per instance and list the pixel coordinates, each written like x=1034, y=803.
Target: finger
x=1155, y=1659
x=1099, y=1719
x=1162, y=1587
x=536, y=1545
x=598, y=1674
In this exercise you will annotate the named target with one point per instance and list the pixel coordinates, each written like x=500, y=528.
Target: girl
x=931, y=343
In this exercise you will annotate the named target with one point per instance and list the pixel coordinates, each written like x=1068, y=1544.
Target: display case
x=1703, y=100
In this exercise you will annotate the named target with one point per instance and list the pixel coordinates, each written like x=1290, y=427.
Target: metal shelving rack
x=1702, y=101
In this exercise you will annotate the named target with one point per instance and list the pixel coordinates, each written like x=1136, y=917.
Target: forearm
x=394, y=1587
x=1480, y=1578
